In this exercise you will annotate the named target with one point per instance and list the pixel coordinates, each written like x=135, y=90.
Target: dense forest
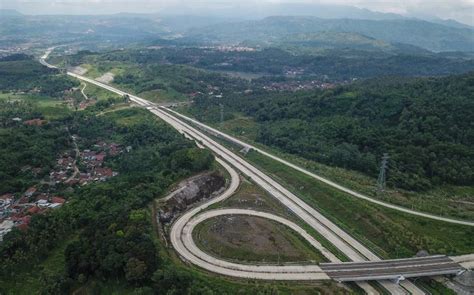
x=336, y=64
x=110, y=219
x=425, y=125
x=103, y=235
x=20, y=72
x=175, y=78
x=23, y=147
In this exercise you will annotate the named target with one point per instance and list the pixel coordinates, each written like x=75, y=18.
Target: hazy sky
x=460, y=10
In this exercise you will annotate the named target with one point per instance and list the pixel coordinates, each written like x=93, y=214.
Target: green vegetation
x=235, y=237
x=274, y=29
x=115, y=240
x=388, y=233
x=24, y=147
x=274, y=62
x=21, y=73
x=446, y=200
x=102, y=239
x=143, y=73
x=251, y=239
x=423, y=124
x=251, y=196
x=98, y=93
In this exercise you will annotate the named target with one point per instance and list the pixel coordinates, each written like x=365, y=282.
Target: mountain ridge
x=424, y=34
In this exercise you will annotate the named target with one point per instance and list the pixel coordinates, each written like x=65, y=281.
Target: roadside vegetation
x=343, y=137
x=102, y=240
x=251, y=239
x=21, y=72
x=151, y=78
x=389, y=233
x=446, y=200
x=247, y=239
x=424, y=129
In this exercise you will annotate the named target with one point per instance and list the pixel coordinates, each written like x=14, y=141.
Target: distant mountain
x=319, y=42
x=63, y=27
x=427, y=35
x=9, y=12
x=451, y=23
x=261, y=10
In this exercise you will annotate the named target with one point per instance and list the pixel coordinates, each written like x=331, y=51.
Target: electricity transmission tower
x=66, y=65
x=381, y=181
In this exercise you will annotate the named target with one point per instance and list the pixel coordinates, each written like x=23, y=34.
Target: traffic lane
x=386, y=273
x=387, y=263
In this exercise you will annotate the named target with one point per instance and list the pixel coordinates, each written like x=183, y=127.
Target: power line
x=381, y=181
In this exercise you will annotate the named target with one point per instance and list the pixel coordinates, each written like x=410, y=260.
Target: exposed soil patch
x=106, y=78
x=78, y=70
x=190, y=191
x=249, y=238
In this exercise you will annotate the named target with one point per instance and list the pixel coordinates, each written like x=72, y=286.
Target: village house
x=30, y=192
x=35, y=122
x=58, y=200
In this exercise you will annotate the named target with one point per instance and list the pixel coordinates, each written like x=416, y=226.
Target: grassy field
x=247, y=238
x=389, y=233
x=241, y=125
x=252, y=239
x=51, y=108
x=40, y=100
x=129, y=116
x=162, y=96
x=448, y=200
x=99, y=68
x=251, y=196
x=229, y=285
x=98, y=93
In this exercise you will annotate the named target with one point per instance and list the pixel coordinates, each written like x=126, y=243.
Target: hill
x=424, y=125
x=431, y=36
x=22, y=73
x=320, y=42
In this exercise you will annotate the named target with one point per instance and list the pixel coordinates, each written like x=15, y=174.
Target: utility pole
x=381, y=181
x=222, y=112
x=66, y=65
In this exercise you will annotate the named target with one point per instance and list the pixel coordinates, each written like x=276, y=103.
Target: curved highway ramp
x=366, y=265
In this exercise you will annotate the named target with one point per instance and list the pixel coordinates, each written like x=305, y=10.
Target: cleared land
x=252, y=239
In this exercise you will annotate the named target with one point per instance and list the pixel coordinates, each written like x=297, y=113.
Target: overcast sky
x=460, y=10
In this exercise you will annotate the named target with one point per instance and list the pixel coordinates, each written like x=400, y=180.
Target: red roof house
x=58, y=200
x=100, y=157
x=35, y=122
x=34, y=210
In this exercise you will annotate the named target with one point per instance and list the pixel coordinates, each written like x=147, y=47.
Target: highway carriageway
x=396, y=269
x=353, y=249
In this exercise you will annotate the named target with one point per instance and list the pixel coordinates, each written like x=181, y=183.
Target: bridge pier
x=399, y=279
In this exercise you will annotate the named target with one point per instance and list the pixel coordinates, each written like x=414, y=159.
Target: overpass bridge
x=392, y=269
